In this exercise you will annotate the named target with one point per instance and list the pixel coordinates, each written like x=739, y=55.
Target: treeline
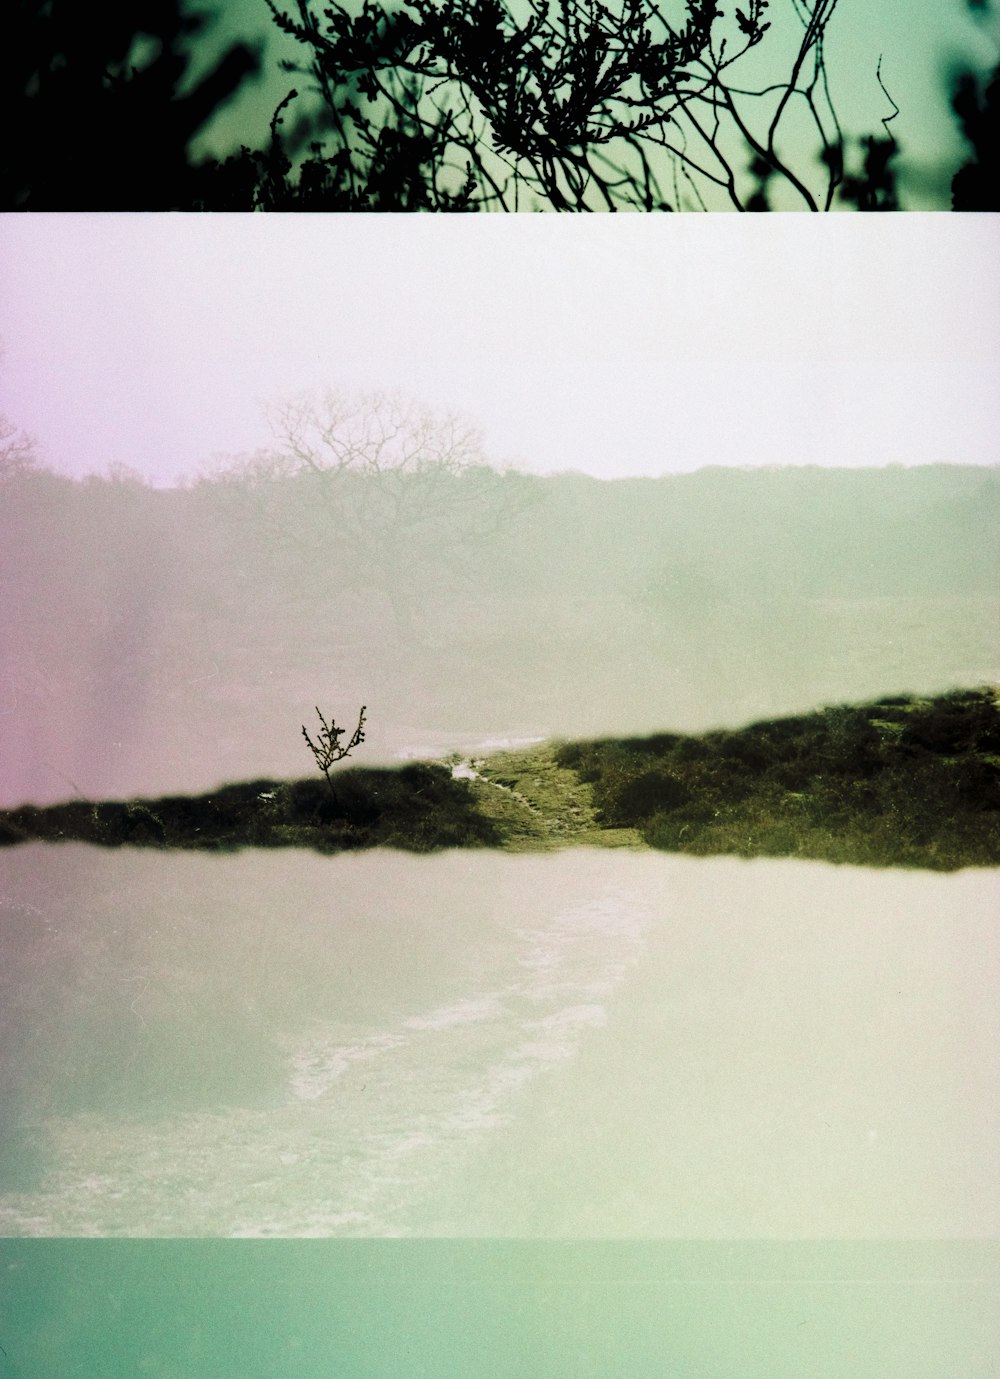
x=715, y=533
x=148, y=635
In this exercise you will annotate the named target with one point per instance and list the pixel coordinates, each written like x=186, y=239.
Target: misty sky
x=634, y=345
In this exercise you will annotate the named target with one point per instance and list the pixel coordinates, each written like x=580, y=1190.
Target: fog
x=584, y=1045
x=635, y=345
x=158, y=642
x=378, y=1048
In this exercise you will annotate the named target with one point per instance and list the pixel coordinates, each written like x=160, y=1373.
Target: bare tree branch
x=373, y=491
x=327, y=751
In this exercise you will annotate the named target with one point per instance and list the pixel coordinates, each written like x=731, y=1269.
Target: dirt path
x=538, y=804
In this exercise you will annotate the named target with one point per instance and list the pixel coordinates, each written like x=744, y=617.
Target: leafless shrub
x=327, y=751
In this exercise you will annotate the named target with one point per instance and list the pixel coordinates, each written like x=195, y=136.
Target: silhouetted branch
x=576, y=105
x=94, y=123
x=455, y=105
x=327, y=751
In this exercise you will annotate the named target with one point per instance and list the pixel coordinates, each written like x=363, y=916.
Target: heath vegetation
x=902, y=781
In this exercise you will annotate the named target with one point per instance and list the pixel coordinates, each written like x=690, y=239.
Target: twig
x=328, y=750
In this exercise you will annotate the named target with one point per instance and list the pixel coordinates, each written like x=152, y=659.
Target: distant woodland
x=155, y=640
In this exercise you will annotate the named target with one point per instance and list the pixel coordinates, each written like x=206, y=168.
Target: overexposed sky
x=612, y=345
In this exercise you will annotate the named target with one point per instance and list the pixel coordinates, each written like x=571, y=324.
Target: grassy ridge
x=899, y=782
x=418, y=807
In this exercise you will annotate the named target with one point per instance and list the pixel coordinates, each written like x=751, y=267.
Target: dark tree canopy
x=976, y=186
x=97, y=113
x=462, y=105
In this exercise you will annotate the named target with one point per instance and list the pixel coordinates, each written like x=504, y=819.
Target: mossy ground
x=898, y=782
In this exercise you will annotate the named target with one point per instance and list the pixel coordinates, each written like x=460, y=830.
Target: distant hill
x=154, y=640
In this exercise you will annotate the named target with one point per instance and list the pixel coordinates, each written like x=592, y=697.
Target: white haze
x=586, y=1045
x=642, y=345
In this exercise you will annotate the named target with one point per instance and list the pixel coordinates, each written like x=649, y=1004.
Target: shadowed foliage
x=99, y=108
x=418, y=808
x=458, y=105
x=975, y=101
x=902, y=781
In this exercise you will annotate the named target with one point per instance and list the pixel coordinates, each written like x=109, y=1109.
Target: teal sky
x=616, y=346
x=920, y=41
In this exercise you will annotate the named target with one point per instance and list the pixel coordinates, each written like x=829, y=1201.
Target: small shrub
x=327, y=750
x=976, y=784
x=747, y=751
x=692, y=749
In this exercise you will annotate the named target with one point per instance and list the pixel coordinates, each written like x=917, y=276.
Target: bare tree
x=18, y=452
x=327, y=750
x=581, y=104
x=375, y=490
